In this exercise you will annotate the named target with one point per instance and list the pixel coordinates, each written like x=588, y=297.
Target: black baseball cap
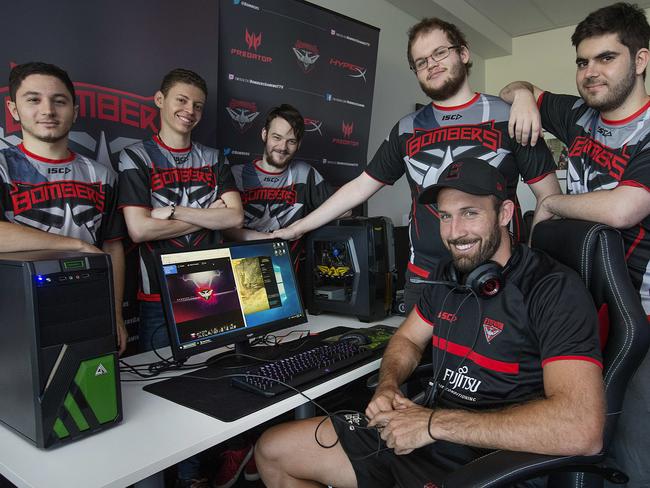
x=470, y=175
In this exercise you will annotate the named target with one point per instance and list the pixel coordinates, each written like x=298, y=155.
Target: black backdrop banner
x=117, y=53
x=290, y=51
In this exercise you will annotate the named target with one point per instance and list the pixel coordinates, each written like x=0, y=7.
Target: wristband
x=171, y=215
x=429, y=424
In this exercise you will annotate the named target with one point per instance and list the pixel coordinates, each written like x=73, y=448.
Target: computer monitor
x=226, y=295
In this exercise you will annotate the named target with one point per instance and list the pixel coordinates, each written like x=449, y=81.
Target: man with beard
x=607, y=132
x=511, y=368
x=278, y=190
x=275, y=191
x=50, y=197
x=424, y=143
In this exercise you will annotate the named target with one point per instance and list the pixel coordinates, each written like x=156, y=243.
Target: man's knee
x=269, y=446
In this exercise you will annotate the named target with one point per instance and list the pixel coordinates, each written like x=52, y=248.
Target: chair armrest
x=502, y=468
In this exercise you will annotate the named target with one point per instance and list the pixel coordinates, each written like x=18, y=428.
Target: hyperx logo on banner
x=356, y=71
x=313, y=125
x=306, y=54
x=242, y=113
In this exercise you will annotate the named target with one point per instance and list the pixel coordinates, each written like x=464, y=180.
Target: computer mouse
x=358, y=337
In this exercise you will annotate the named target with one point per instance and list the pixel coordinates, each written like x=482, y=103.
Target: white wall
x=396, y=89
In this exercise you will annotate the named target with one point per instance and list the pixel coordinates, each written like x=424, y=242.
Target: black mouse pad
x=208, y=391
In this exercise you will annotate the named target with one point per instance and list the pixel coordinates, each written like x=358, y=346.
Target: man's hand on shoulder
x=525, y=122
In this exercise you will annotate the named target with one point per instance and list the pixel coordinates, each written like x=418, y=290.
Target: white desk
x=154, y=434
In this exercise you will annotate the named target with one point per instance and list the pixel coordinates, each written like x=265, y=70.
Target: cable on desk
x=328, y=415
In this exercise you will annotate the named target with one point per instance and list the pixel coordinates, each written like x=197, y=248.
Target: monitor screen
x=214, y=297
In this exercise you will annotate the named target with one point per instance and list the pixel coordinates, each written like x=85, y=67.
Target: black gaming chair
x=596, y=252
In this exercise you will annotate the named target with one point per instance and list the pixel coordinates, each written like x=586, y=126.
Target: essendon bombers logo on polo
x=346, y=129
x=56, y=194
x=306, y=54
x=604, y=156
x=484, y=134
x=161, y=178
x=492, y=328
x=313, y=125
x=253, y=41
x=355, y=70
x=242, y=113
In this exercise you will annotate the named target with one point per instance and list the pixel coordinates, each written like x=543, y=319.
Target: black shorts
x=426, y=467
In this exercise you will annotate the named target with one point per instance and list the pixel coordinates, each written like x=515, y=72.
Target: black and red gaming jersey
x=274, y=201
x=72, y=197
x=604, y=154
x=424, y=143
x=543, y=313
x=153, y=175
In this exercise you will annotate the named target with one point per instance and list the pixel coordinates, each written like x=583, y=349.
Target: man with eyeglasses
x=423, y=143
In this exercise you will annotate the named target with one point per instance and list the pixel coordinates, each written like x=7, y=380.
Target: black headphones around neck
x=486, y=280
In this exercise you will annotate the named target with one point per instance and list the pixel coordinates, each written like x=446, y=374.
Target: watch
x=171, y=215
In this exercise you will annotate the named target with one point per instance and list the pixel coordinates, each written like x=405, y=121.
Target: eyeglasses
x=438, y=55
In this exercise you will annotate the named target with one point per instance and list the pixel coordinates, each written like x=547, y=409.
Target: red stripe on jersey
x=603, y=325
x=627, y=119
x=125, y=205
x=159, y=141
x=516, y=225
x=476, y=358
x=458, y=107
x=200, y=238
x=146, y=297
x=635, y=184
x=417, y=310
x=572, y=358
x=430, y=209
x=378, y=180
x=25, y=151
x=638, y=239
x=539, y=100
x=539, y=178
x=417, y=270
x=274, y=173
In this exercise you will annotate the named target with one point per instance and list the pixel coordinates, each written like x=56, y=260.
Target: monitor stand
x=243, y=356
